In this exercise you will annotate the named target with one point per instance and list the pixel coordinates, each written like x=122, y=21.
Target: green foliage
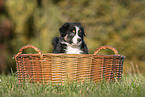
x=118, y=23
x=34, y=25
x=130, y=86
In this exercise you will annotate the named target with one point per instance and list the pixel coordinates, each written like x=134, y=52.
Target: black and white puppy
x=71, y=40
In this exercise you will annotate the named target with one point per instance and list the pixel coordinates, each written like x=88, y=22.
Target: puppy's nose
x=79, y=39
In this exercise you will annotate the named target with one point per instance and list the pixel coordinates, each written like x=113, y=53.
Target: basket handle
x=28, y=46
x=106, y=47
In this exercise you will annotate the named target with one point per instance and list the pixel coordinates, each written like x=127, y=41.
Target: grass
x=130, y=86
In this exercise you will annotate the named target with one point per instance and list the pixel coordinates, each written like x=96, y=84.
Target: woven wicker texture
x=107, y=67
x=60, y=68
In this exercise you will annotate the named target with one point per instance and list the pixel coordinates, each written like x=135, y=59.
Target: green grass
x=130, y=86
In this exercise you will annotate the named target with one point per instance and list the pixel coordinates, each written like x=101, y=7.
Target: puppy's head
x=72, y=33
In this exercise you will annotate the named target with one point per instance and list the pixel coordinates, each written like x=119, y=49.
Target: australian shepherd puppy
x=71, y=40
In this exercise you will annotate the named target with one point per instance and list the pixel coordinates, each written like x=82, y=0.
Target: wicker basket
x=59, y=68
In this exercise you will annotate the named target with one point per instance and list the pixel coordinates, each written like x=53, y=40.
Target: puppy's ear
x=63, y=29
x=83, y=32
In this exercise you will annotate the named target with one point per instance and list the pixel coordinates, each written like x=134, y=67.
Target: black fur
x=60, y=43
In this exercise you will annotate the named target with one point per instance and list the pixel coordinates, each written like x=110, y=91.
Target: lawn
x=130, y=86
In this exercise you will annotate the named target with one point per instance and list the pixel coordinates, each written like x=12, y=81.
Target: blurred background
x=118, y=23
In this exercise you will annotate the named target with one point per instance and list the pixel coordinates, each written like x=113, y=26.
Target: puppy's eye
x=74, y=31
x=79, y=31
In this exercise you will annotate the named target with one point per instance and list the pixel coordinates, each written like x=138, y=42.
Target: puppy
x=71, y=40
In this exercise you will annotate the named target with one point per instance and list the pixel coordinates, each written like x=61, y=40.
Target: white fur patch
x=76, y=37
x=73, y=50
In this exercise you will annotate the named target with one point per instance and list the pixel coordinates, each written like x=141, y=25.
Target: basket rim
x=70, y=55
